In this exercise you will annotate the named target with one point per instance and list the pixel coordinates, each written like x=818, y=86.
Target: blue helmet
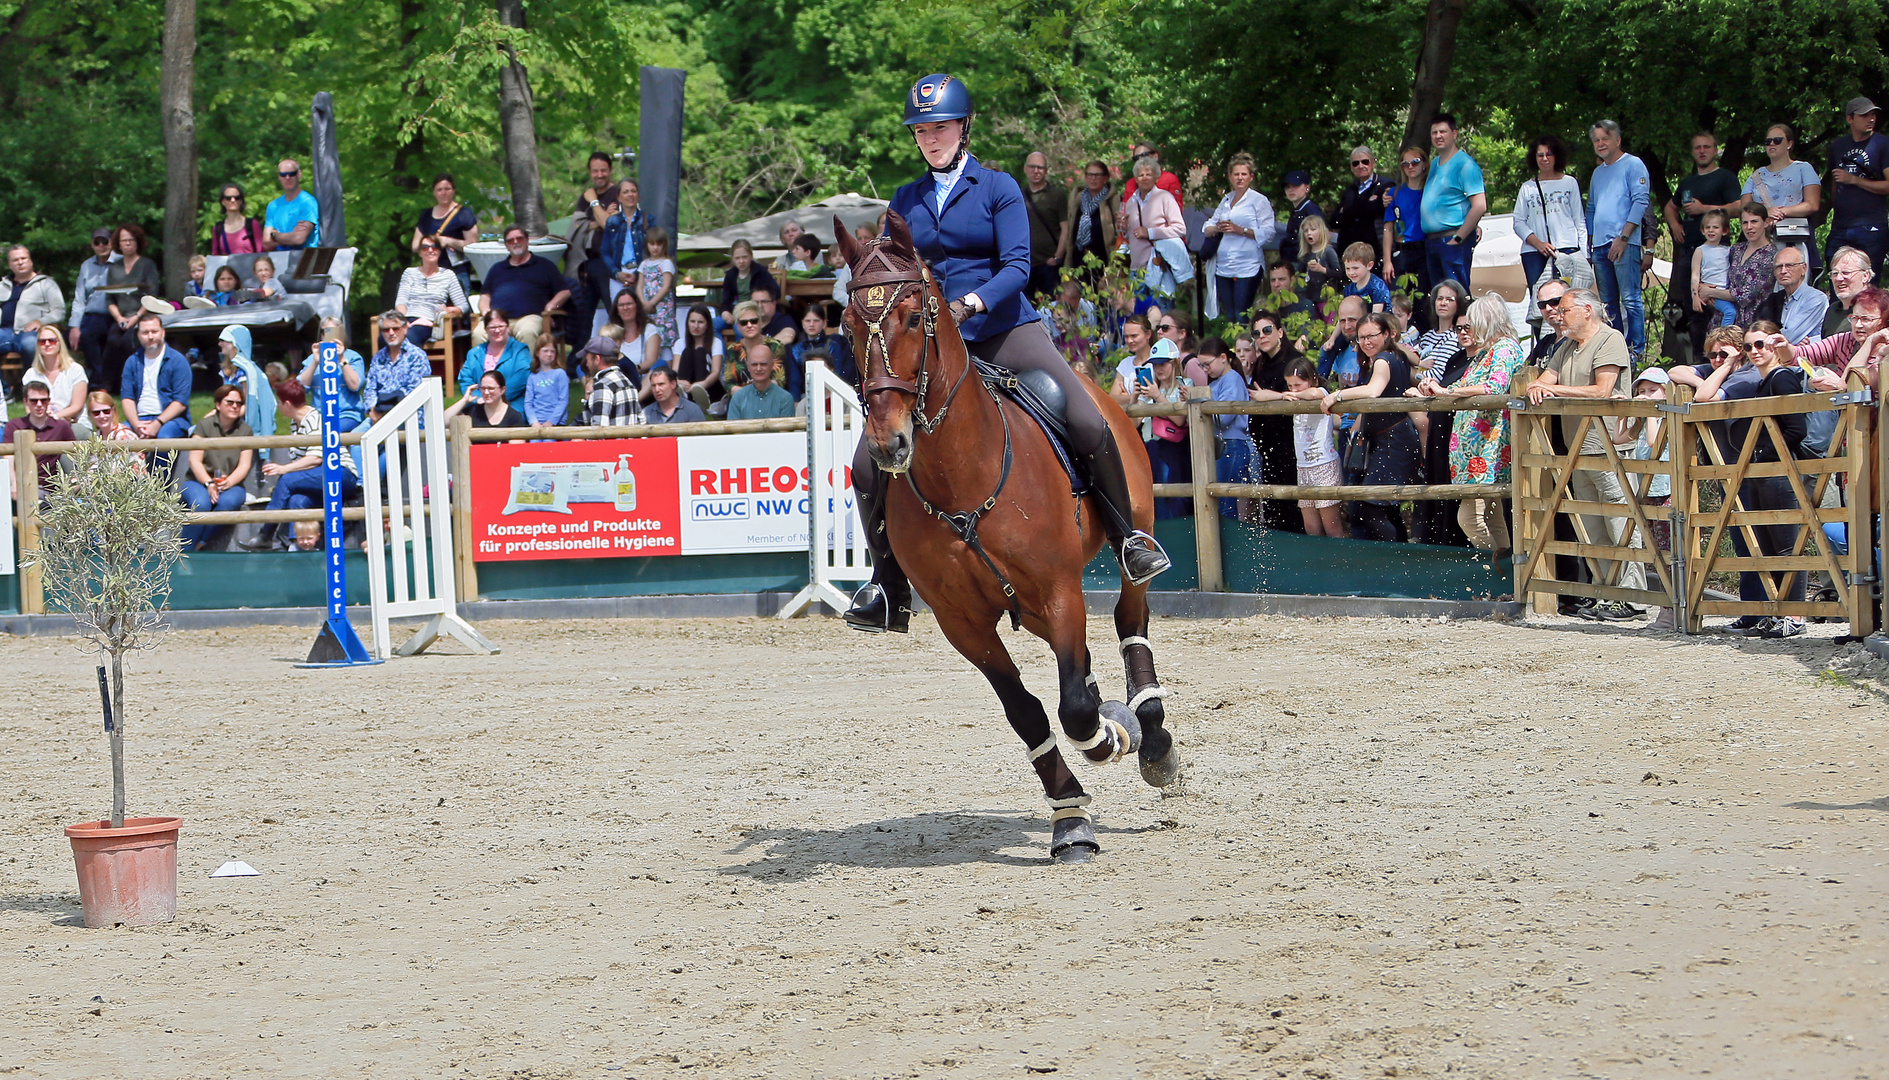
x=938, y=97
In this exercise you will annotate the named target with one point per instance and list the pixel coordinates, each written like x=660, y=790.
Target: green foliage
x=108, y=540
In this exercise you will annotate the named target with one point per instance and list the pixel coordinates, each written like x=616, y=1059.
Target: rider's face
x=938, y=141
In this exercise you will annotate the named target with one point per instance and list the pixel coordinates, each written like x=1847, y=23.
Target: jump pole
x=337, y=645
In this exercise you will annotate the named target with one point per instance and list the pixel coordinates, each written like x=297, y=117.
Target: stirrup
x=1142, y=558
x=874, y=612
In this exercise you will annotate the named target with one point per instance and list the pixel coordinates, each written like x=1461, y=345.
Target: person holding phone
x=1138, y=337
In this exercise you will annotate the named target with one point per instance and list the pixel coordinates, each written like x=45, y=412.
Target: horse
x=979, y=512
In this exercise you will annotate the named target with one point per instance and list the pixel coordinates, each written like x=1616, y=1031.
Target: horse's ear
x=843, y=237
x=900, y=232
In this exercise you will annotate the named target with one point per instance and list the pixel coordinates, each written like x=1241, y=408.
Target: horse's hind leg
x=1072, y=837
x=1160, y=760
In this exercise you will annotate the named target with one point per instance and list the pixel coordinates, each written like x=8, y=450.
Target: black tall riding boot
x=1141, y=557
x=885, y=602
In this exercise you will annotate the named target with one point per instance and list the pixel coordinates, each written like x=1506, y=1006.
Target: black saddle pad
x=1041, y=398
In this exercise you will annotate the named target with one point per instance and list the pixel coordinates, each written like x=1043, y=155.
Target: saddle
x=1041, y=398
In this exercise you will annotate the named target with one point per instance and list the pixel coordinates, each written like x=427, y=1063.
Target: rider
x=969, y=222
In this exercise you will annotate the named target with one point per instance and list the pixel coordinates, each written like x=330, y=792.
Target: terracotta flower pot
x=128, y=876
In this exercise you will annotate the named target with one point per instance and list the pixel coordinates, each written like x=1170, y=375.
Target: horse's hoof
x=1073, y=841
x=1121, y=714
x=1165, y=772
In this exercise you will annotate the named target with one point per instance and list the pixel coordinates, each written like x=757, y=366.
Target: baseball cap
x=1858, y=106
x=1164, y=349
x=101, y=233
x=601, y=346
x=1653, y=375
x=1297, y=177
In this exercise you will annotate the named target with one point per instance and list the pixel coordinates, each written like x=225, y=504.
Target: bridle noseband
x=876, y=291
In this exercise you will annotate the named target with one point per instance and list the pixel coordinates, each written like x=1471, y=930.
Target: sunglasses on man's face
x=1361, y=161
x=100, y=241
x=32, y=401
x=290, y=172
x=1550, y=305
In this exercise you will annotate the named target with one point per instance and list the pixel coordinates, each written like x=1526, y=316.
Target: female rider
x=969, y=223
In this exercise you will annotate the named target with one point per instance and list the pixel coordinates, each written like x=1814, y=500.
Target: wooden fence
x=1705, y=505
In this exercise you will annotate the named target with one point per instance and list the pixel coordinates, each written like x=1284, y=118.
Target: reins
x=868, y=292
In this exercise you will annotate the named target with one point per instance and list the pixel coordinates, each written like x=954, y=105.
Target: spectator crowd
x=1372, y=299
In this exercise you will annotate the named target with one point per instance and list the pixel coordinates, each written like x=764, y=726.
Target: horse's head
x=893, y=316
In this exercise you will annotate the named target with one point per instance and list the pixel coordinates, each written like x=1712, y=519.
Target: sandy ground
x=751, y=848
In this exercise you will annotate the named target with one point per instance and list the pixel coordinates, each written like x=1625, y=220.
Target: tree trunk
x=520, y=131
x=1434, y=54
x=118, y=740
x=177, y=80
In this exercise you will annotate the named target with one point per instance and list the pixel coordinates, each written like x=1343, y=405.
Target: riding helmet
x=938, y=97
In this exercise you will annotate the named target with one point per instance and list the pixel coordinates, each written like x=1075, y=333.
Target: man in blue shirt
x=526, y=287
x=1453, y=205
x=1617, y=197
x=156, y=387
x=293, y=219
x=1800, y=308
x=396, y=370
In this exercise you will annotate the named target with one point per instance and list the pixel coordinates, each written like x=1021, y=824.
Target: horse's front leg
x=1072, y=833
x=1160, y=761
x=1102, y=733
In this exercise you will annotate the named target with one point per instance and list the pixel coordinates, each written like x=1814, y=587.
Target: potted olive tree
x=109, y=538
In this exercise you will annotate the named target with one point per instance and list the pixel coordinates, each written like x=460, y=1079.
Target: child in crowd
x=1318, y=261
x=1359, y=281
x=806, y=253
x=548, y=389
x=1313, y=437
x=1651, y=386
x=267, y=287
x=275, y=372
x=1712, y=268
x=195, y=286
x=226, y=288
x=656, y=284
x=1404, y=308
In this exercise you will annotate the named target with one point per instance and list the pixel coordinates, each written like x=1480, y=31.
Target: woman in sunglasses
x=1765, y=344
x=103, y=421
x=1789, y=191
x=237, y=233
x=1403, y=220
x=1393, y=449
x=56, y=369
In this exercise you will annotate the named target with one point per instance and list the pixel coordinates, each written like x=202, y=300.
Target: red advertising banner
x=575, y=500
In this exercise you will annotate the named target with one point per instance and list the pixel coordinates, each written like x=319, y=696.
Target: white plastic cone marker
x=236, y=868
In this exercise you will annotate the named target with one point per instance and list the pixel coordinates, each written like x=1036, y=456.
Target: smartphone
x=1145, y=373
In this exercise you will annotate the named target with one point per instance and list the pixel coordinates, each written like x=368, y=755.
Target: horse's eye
x=911, y=321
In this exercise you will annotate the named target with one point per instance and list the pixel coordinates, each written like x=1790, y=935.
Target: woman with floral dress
x=1753, y=275
x=1479, y=441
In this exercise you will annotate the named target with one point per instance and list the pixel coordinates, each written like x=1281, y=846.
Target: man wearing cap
x=90, y=321
x=609, y=396
x=1299, y=198
x=1859, y=191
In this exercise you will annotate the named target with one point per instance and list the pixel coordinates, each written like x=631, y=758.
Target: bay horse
x=979, y=512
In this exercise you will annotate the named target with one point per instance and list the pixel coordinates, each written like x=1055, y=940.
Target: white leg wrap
x=1147, y=692
x=1093, y=685
x=1069, y=812
x=1064, y=804
x=1101, y=736
x=1127, y=641
x=1038, y=751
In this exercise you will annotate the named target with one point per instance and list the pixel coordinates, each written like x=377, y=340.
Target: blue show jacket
x=981, y=244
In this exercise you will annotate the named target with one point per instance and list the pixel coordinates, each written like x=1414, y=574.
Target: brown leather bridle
x=877, y=289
